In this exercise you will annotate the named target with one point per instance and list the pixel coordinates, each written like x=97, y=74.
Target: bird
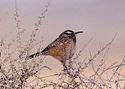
x=62, y=48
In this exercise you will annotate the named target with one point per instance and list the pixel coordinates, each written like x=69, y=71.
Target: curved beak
x=78, y=32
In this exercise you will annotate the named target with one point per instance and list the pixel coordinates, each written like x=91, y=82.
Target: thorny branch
x=16, y=70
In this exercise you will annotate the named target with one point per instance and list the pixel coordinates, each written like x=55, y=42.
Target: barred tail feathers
x=35, y=55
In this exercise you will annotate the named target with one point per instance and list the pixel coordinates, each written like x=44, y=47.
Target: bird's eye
x=65, y=35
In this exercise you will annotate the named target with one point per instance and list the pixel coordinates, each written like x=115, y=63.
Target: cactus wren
x=62, y=48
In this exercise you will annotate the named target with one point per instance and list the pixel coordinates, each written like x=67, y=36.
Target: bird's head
x=70, y=33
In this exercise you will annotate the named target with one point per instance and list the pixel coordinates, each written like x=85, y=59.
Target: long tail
x=35, y=55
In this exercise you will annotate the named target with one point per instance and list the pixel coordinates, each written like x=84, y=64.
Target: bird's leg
x=66, y=67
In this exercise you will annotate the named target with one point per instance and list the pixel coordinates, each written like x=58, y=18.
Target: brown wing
x=64, y=50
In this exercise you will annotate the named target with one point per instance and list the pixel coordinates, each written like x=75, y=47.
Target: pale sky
x=99, y=19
